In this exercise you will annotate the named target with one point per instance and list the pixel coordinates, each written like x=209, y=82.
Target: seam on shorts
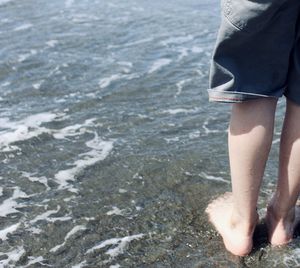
x=233, y=24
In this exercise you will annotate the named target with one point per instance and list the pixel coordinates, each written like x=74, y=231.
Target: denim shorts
x=257, y=51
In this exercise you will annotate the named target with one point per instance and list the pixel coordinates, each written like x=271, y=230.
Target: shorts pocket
x=250, y=15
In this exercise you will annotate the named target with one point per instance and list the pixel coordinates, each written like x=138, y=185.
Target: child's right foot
x=281, y=229
x=235, y=239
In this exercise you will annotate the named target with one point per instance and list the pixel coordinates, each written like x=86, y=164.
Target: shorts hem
x=234, y=96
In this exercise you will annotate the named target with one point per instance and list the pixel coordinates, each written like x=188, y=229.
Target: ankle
x=243, y=224
x=280, y=214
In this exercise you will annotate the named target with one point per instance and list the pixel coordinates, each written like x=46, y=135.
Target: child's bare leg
x=282, y=216
x=249, y=139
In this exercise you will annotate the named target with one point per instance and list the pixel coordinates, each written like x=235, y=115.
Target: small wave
x=125, y=63
x=196, y=49
x=52, y=43
x=183, y=53
x=141, y=41
x=194, y=134
x=13, y=256
x=45, y=217
x=25, y=56
x=73, y=130
x=168, y=140
x=5, y=84
x=120, y=242
x=37, y=85
x=31, y=177
x=177, y=40
x=8, y=230
x=34, y=260
x=10, y=204
x=180, y=86
x=23, y=130
x=207, y=130
x=212, y=178
x=158, y=64
x=74, y=230
x=180, y=110
x=116, y=211
x=100, y=150
x=24, y=26
x=105, y=82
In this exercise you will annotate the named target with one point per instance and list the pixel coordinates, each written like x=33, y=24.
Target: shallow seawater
x=109, y=149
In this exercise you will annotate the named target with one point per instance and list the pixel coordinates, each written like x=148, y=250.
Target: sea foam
x=100, y=150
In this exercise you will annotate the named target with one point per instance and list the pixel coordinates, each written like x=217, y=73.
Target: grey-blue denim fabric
x=257, y=51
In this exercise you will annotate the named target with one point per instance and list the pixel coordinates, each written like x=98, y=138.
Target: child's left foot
x=236, y=241
x=281, y=229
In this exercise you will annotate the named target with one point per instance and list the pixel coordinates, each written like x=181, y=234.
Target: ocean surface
x=109, y=148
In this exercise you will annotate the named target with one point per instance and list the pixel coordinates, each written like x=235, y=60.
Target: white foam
x=24, y=129
x=105, y=82
x=5, y=84
x=125, y=63
x=115, y=211
x=196, y=49
x=34, y=230
x=44, y=216
x=168, y=140
x=292, y=259
x=31, y=177
x=83, y=18
x=121, y=191
x=212, y=178
x=22, y=27
x=194, y=134
x=120, y=242
x=180, y=110
x=13, y=256
x=206, y=129
x=9, y=205
x=183, y=53
x=177, y=40
x=74, y=230
x=73, y=130
x=158, y=64
x=52, y=43
x=180, y=86
x=64, y=218
x=115, y=266
x=141, y=41
x=8, y=230
x=137, y=176
x=23, y=57
x=100, y=150
x=34, y=260
x=37, y=85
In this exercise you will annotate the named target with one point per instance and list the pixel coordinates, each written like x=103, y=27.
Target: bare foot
x=220, y=215
x=281, y=229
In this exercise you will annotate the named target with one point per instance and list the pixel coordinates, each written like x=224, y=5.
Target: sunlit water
x=110, y=150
